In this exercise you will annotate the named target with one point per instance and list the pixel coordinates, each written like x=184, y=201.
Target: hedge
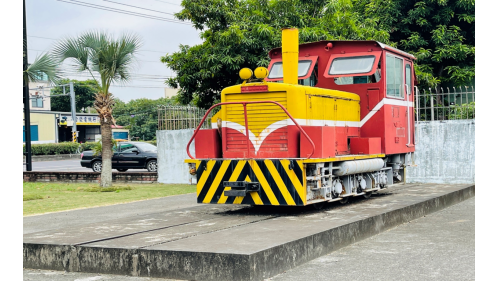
x=62, y=147
x=58, y=148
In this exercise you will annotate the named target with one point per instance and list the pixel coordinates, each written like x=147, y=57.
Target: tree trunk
x=107, y=152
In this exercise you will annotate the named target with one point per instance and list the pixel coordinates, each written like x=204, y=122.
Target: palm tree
x=110, y=59
x=44, y=64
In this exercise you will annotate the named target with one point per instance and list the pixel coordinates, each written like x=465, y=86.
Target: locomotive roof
x=381, y=45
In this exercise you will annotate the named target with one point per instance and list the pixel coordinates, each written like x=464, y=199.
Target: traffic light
x=74, y=136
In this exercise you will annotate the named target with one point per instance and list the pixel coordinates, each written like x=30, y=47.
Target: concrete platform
x=212, y=242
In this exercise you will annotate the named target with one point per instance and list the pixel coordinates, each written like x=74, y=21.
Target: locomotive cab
x=325, y=121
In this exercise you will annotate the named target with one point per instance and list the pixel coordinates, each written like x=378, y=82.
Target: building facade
x=54, y=127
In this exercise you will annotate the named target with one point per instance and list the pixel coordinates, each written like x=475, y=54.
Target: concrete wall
x=171, y=155
x=445, y=152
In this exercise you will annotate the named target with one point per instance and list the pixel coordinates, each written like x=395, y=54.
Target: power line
x=139, y=75
x=99, y=7
x=145, y=86
x=110, y=9
x=42, y=37
x=54, y=39
x=168, y=3
x=139, y=7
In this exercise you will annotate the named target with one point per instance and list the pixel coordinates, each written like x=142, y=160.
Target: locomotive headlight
x=261, y=72
x=246, y=73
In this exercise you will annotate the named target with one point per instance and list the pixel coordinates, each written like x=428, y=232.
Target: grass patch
x=66, y=196
x=105, y=189
x=30, y=197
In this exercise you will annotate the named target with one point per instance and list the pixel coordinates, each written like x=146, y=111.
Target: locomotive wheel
x=344, y=200
x=367, y=195
x=319, y=206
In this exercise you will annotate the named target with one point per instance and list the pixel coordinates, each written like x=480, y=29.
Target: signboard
x=83, y=120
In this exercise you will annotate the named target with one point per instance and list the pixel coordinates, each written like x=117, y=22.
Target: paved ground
x=80, y=217
x=66, y=166
x=439, y=246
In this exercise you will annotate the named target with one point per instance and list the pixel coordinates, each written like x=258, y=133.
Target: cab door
x=409, y=97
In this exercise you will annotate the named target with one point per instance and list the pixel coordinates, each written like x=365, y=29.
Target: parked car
x=127, y=155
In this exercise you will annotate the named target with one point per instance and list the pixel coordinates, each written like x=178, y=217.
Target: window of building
x=37, y=102
x=394, y=76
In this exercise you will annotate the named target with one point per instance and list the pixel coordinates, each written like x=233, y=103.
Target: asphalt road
x=66, y=166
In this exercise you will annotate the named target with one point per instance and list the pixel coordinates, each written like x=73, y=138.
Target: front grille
x=262, y=120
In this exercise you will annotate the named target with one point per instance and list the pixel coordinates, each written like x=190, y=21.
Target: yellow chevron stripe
x=301, y=191
x=238, y=199
x=262, y=180
x=204, y=176
x=281, y=185
x=234, y=177
x=301, y=166
x=197, y=164
x=216, y=181
x=256, y=198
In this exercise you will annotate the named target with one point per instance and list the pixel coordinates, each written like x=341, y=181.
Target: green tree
x=84, y=95
x=140, y=116
x=440, y=33
x=240, y=33
x=110, y=60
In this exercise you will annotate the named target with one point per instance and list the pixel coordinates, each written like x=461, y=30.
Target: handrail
x=244, y=103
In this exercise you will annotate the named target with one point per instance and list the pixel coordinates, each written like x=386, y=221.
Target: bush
x=464, y=111
x=58, y=148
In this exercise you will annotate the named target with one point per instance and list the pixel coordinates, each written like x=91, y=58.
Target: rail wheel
x=367, y=195
x=344, y=200
x=319, y=206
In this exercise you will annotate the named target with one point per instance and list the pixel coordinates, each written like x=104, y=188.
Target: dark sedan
x=127, y=155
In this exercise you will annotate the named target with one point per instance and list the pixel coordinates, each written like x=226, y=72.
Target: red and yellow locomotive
x=327, y=120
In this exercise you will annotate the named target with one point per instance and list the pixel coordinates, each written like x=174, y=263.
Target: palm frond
x=72, y=49
x=98, y=52
x=43, y=65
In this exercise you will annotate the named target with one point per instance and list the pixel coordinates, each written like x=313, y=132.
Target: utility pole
x=26, y=96
x=73, y=110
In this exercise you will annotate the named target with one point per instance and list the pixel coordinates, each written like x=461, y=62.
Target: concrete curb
x=41, y=158
x=128, y=177
x=228, y=266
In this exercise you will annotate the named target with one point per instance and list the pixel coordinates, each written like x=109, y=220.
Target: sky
x=54, y=20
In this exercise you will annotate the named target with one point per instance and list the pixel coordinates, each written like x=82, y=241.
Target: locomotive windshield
x=277, y=69
x=352, y=65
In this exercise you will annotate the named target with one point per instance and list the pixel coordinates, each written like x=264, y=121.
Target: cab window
x=277, y=69
x=365, y=79
x=310, y=81
x=394, y=76
x=352, y=65
x=408, y=78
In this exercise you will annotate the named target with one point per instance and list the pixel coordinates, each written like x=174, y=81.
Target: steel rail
x=244, y=103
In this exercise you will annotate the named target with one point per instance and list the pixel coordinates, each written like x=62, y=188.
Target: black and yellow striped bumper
x=281, y=181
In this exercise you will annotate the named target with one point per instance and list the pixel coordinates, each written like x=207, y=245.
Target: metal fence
x=445, y=104
x=182, y=117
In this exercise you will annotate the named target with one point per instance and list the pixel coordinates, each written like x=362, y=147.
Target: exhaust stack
x=290, y=54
